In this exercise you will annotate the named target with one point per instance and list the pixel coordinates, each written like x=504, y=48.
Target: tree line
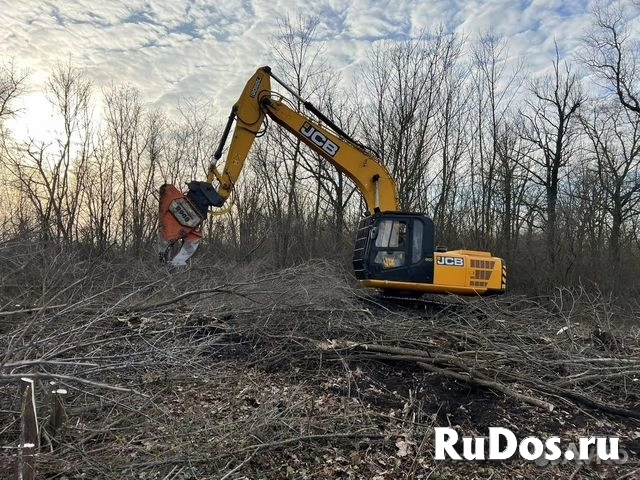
x=540, y=169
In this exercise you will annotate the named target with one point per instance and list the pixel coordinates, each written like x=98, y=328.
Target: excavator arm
x=181, y=216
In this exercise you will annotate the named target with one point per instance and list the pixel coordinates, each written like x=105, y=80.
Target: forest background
x=541, y=170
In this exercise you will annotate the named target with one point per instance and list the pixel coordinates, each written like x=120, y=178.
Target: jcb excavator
x=394, y=250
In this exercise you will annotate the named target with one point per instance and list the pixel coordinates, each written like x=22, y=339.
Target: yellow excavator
x=394, y=252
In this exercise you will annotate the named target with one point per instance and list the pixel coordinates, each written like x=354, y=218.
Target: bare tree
x=189, y=142
x=403, y=80
x=614, y=134
x=584, y=216
x=496, y=86
x=12, y=86
x=100, y=197
x=550, y=127
x=184, y=150
x=453, y=141
x=133, y=136
x=613, y=54
x=513, y=177
x=290, y=165
x=54, y=181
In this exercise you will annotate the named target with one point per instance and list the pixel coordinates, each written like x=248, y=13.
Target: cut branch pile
x=537, y=354
x=218, y=372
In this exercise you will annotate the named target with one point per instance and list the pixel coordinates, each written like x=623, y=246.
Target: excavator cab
x=395, y=247
x=396, y=252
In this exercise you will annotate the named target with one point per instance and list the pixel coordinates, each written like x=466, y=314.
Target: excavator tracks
x=427, y=305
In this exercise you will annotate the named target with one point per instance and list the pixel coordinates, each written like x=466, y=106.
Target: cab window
x=391, y=234
x=416, y=246
x=391, y=244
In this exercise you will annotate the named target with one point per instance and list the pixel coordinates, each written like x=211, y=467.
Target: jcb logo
x=450, y=261
x=256, y=86
x=319, y=139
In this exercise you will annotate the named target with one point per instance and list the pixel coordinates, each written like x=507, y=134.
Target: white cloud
x=207, y=48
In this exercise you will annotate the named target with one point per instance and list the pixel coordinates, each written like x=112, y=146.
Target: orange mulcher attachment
x=179, y=220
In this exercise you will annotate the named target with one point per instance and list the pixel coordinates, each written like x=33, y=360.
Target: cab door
x=401, y=248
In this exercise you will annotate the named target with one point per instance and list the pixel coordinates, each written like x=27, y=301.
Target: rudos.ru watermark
x=502, y=444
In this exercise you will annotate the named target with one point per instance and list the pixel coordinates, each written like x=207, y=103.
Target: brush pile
x=245, y=372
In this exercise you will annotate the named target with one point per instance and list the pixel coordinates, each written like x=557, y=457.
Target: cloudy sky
x=170, y=49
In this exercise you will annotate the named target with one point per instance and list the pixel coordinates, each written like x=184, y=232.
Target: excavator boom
x=255, y=103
